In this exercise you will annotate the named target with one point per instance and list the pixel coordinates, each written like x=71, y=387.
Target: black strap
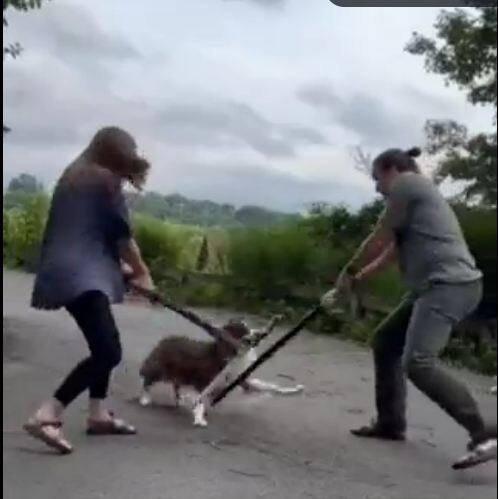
x=312, y=314
x=216, y=332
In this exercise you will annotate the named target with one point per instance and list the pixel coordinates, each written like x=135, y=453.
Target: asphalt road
x=279, y=448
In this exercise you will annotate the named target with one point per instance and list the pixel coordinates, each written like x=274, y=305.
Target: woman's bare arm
x=130, y=254
x=386, y=258
x=375, y=245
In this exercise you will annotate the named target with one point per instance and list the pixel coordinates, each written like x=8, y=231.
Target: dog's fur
x=185, y=362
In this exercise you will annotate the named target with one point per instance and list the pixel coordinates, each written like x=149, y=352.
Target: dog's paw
x=145, y=400
x=200, y=423
x=199, y=412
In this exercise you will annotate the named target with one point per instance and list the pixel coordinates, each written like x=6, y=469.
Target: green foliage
x=208, y=295
x=479, y=226
x=471, y=160
x=461, y=353
x=25, y=183
x=465, y=54
x=339, y=226
x=203, y=255
x=160, y=248
x=255, y=216
x=360, y=331
x=20, y=191
x=388, y=286
x=269, y=260
x=6, y=228
x=23, y=232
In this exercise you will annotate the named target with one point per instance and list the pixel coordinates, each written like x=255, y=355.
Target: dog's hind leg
x=177, y=394
x=145, y=398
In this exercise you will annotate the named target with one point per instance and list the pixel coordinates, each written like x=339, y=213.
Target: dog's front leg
x=260, y=334
x=145, y=399
x=199, y=412
x=205, y=399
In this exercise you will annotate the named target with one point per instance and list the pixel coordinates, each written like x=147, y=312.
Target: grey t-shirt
x=430, y=243
x=88, y=220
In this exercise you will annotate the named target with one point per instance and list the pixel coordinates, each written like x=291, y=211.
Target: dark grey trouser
x=408, y=343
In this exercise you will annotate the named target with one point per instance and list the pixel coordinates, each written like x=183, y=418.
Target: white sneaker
x=481, y=454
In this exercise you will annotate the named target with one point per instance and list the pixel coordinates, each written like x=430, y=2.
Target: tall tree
x=464, y=52
x=25, y=183
x=21, y=190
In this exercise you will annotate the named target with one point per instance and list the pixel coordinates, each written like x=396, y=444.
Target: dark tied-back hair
x=402, y=161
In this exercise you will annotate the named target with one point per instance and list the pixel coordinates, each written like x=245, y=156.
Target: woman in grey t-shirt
x=86, y=239
x=419, y=230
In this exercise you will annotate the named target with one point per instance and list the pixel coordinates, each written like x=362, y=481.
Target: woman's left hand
x=143, y=281
x=126, y=270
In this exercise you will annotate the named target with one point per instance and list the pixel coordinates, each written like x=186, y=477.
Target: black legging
x=92, y=312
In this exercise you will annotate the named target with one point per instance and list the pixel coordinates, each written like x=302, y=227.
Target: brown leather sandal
x=113, y=426
x=54, y=439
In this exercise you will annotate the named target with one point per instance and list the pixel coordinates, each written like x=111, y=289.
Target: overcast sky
x=238, y=101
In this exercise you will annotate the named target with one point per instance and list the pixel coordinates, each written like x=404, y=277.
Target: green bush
x=388, y=286
x=6, y=231
x=460, y=353
x=360, y=331
x=159, y=245
x=208, y=295
x=479, y=226
x=269, y=261
x=23, y=232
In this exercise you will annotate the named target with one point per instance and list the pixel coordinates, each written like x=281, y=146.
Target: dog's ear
x=237, y=329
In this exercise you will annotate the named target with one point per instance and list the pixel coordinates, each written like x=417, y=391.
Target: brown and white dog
x=206, y=366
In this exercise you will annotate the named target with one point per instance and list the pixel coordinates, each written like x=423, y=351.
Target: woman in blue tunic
x=87, y=239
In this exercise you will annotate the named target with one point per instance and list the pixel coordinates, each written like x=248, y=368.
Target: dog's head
x=237, y=328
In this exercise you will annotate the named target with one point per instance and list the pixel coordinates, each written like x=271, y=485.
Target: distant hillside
x=180, y=209
x=173, y=207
